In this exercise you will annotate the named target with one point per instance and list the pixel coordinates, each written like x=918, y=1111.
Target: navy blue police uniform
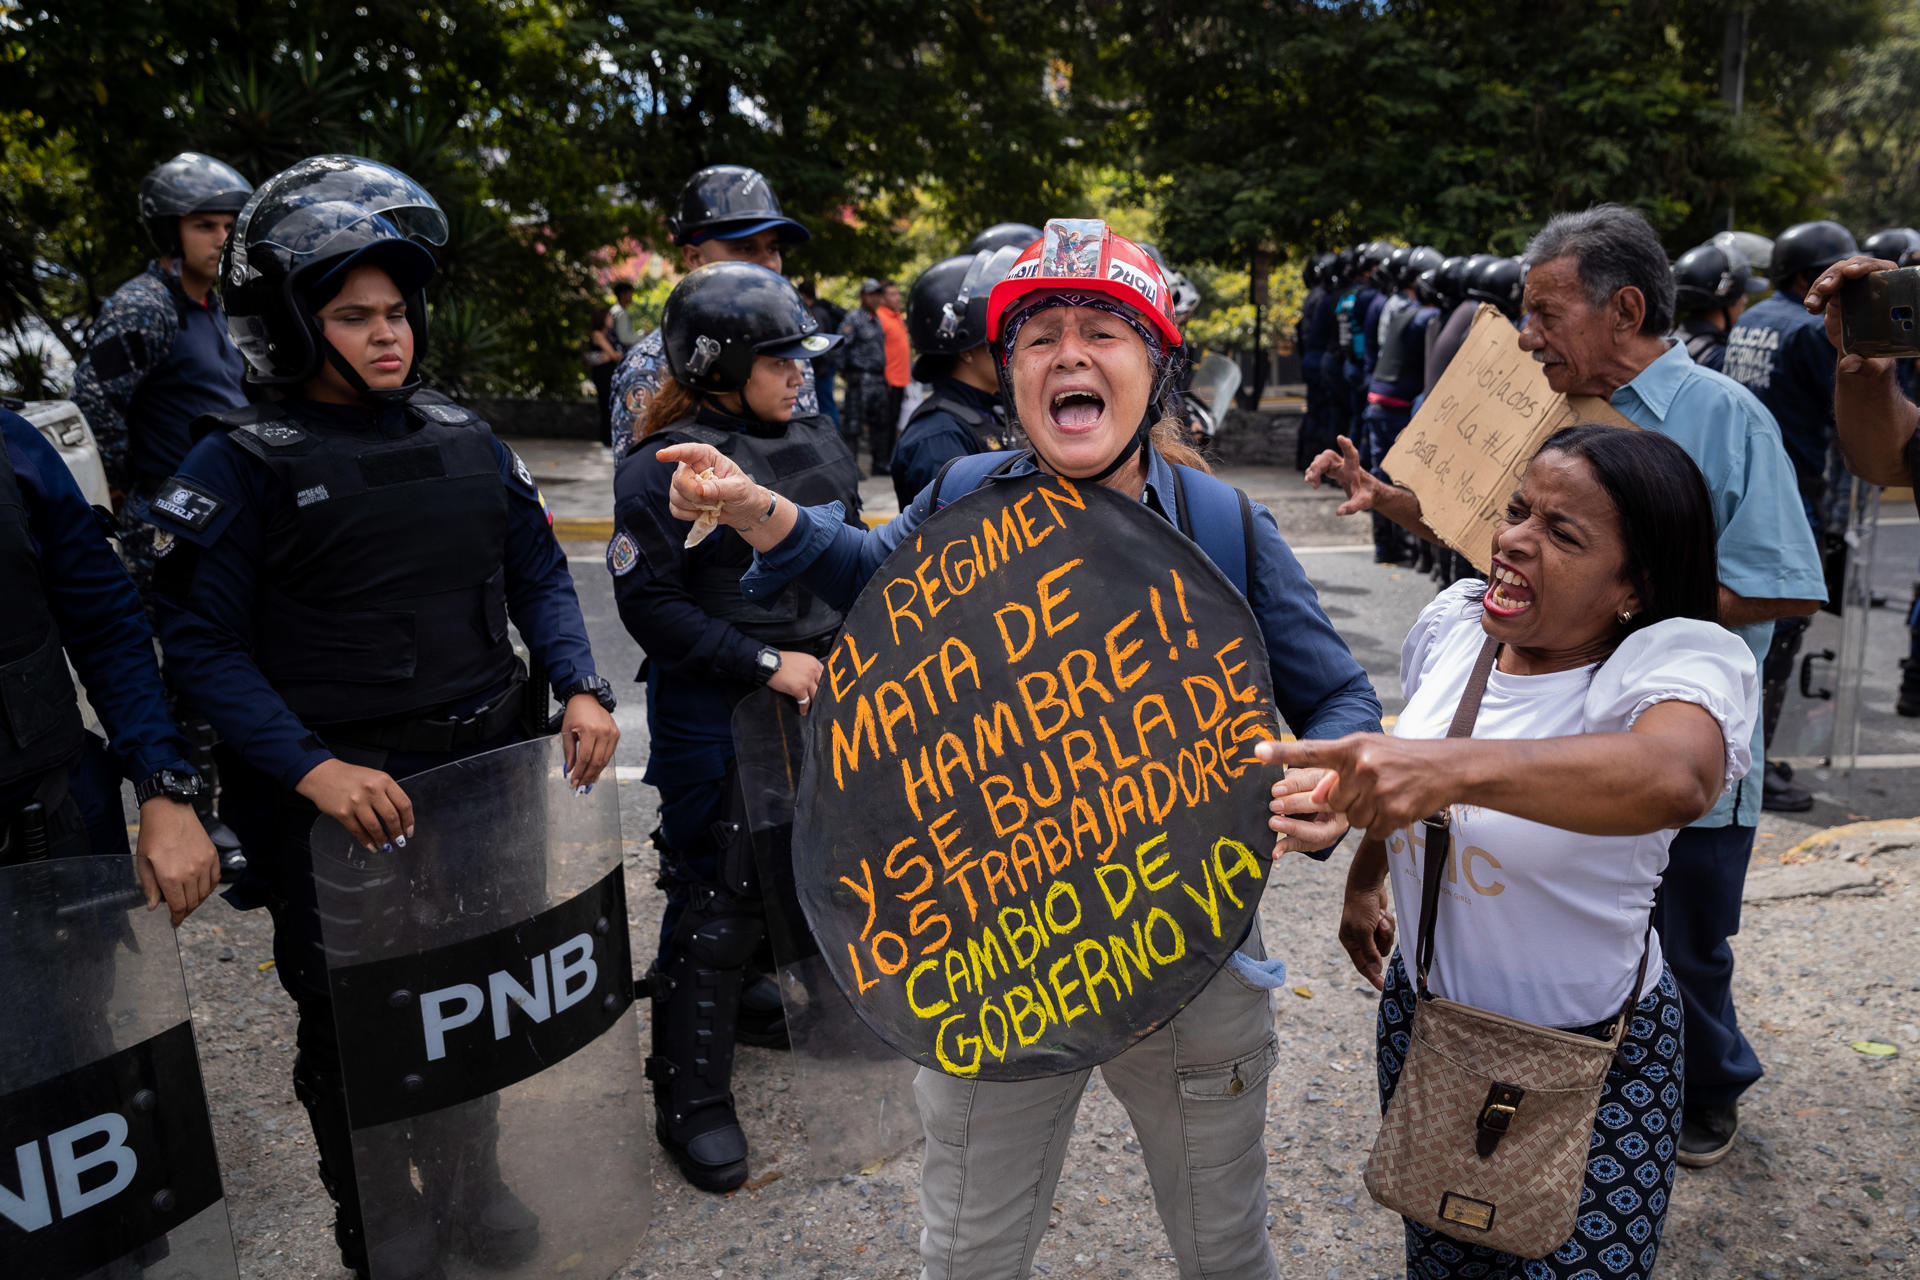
x=954, y=421
x=67, y=596
x=336, y=582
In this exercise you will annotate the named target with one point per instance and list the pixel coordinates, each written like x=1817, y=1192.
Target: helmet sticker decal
x=1134, y=279
x=815, y=343
x=705, y=352
x=1071, y=247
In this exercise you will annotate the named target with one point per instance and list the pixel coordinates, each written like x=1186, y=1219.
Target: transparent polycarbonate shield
x=482, y=992
x=107, y=1163
x=855, y=1092
x=1819, y=727
x=1215, y=380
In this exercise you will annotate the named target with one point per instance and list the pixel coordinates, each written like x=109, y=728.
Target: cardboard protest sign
x=1031, y=827
x=1463, y=453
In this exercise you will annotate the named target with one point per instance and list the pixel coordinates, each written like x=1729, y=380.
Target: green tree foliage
x=1869, y=116
x=1464, y=124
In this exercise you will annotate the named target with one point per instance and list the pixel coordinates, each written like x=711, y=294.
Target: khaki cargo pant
x=1196, y=1091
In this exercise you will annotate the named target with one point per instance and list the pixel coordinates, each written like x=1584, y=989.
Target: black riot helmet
x=728, y=201
x=1426, y=287
x=1500, y=281
x=718, y=318
x=293, y=244
x=1451, y=279
x=947, y=307
x=188, y=183
x=1345, y=263
x=1326, y=270
x=1396, y=276
x=1003, y=235
x=1892, y=244
x=1422, y=259
x=1809, y=248
x=1709, y=276
x=1376, y=254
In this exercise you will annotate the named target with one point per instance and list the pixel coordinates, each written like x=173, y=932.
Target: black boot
x=479, y=1216
x=696, y=999
x=395, y=1239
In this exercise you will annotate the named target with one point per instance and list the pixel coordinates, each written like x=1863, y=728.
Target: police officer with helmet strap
x=1085, y=354
x=962, y=414
x=158, y=358
x=726, y=213
x=347, y=553
x=1780, y=353
x=737, y=338
x=1711, y=283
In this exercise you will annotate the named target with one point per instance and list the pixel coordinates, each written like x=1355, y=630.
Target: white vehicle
x=60, y=422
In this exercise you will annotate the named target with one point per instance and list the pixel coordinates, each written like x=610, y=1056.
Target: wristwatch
x=766, y=663
x=596, y=685
x=175, y=784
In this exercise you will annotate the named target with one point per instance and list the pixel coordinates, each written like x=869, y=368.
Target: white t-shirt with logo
x=1537, y=922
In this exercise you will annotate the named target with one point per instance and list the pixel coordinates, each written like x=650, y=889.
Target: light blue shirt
x=1766, y=550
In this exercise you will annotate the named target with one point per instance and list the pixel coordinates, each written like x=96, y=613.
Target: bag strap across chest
x=1439, y=845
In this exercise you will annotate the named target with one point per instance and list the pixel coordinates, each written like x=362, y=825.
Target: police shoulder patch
x=520, y=471
x=622, y=554
x=187, y=503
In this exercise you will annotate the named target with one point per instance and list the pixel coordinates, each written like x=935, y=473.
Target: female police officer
x=1084, y=334
x=736, y=337
x=343, y=561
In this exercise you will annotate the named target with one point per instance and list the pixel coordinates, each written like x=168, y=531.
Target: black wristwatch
x=766, y=663
x=183, y=785
x=596, y=685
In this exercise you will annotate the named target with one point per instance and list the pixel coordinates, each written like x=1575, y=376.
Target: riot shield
x=1819, y=725
x=481, y=986
x=111, y=1171
x=1215, y=380
x=855, y=1092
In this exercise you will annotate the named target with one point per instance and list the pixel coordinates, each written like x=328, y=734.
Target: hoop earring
x=1625, y=616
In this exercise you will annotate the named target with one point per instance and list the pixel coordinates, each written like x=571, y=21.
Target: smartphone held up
x=1880, y=314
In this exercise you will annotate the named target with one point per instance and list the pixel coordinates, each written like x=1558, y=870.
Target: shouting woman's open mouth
x=1077, y=410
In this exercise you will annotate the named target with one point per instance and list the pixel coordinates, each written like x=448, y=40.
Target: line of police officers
x=335, y=555
x=1380, y=324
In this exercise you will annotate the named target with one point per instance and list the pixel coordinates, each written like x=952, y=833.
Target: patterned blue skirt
x=1629, y=1167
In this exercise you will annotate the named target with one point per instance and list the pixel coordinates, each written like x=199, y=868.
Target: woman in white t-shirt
x=1617, y=711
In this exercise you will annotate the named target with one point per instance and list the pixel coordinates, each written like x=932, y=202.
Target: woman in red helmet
x=1083, y=329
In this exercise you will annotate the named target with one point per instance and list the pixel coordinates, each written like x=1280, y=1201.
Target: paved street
x=1824, y=1184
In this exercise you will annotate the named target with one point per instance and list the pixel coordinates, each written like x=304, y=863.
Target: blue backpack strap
x=964, y=474
x=1218, y=517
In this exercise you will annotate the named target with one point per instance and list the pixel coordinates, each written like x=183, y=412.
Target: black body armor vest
x=383, y=592
x=808, y=464
x=1392, y=346
x=40, y=726
x=989, y=431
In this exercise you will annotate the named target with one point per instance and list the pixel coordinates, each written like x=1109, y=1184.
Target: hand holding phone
x=1880, y=314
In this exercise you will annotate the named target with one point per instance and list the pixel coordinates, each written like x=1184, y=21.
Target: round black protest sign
x=1031, y=827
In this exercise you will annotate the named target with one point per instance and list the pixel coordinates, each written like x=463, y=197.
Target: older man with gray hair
x=1599, y=303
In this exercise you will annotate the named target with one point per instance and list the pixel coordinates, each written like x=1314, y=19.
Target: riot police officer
x=1314, y=339
x=962, y=414
x=1711, y=283
x=68, y=597
x=343, y=557
x=1500, y=281
x=736, y=338
x=726, y=213
x=159, y=357
x=1782, y=355
x=1350, y=316
x=1399, y=375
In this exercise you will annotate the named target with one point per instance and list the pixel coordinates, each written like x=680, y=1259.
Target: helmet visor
x=313, y=209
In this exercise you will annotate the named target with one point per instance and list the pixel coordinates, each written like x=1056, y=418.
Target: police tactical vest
x=808, y=464
x=1393, y=329
x=988, y=430
x=1707, y=347
x=383, y=590
x=40, y=726
x=1343, y=319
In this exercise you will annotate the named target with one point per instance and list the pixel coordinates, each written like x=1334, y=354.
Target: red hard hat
x=1083, y=255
